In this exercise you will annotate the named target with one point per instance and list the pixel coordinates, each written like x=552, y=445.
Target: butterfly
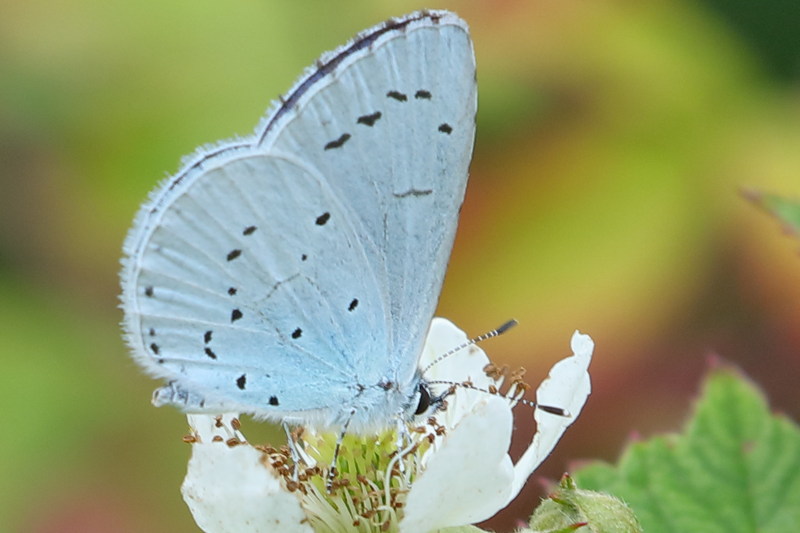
x=294, y=274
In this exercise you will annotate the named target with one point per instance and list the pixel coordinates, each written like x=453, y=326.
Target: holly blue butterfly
x=293, y=274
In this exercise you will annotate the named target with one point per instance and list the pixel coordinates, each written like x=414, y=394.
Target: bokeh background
x=614, y=139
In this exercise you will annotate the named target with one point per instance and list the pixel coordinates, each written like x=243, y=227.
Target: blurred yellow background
x=613, y=140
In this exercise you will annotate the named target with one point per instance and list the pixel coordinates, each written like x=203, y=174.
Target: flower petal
x=465, y=365
x=468, y=476
x=230, y=490
x=568, y=386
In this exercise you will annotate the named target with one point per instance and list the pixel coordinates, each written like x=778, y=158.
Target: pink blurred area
x=613, y=141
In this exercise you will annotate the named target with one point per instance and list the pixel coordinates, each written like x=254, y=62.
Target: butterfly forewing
x=392, y=132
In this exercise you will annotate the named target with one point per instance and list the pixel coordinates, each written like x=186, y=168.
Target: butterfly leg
x=403, y=439
x=339, y=440
x=294, y=449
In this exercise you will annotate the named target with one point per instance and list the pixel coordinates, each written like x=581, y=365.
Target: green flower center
x=372, y=478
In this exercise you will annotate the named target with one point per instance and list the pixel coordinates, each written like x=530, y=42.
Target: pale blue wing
x=282, y=275
x=392, y=131
x=230, y=300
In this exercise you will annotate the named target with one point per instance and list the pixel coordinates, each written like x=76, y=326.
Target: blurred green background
x=613, y=140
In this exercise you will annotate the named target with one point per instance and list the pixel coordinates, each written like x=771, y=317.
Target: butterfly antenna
x=493, y=391
x=475, y=340
x=514, y=396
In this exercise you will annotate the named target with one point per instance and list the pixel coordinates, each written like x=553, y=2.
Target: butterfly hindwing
x=229, y=297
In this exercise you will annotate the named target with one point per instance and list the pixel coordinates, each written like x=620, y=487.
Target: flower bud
x=569, y=508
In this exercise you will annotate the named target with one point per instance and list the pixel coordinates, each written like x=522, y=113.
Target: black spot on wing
x=207, y=336
x=233, y=254
x=412, y=192
x=338, y=142
x=241, y=381
x=232, y=290
x=152, y=332
x=445, y=128
x=422, y=94
x=210, y=353
x=236, y=315
x=148, y=291
x=297, y=333
x=397, y=95
x=353, y=305
x=273, y=400
x=303, y=257
x=323, y=218
x=369, y=120
x=249, y=230
x=154, y=348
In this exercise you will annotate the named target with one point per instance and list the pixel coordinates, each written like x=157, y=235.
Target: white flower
x=457, y=472
x=229, y=489
x=470, y=477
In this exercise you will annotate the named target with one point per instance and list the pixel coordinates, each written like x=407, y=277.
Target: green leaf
x=735, y=468
x=785, y=210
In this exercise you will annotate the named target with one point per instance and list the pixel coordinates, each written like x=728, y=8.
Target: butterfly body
x=294, y=274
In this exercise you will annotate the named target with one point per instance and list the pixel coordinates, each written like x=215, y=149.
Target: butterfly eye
x=424, y=399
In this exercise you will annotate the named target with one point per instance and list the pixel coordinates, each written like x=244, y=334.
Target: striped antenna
x=475, y=340
x=453, y=385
